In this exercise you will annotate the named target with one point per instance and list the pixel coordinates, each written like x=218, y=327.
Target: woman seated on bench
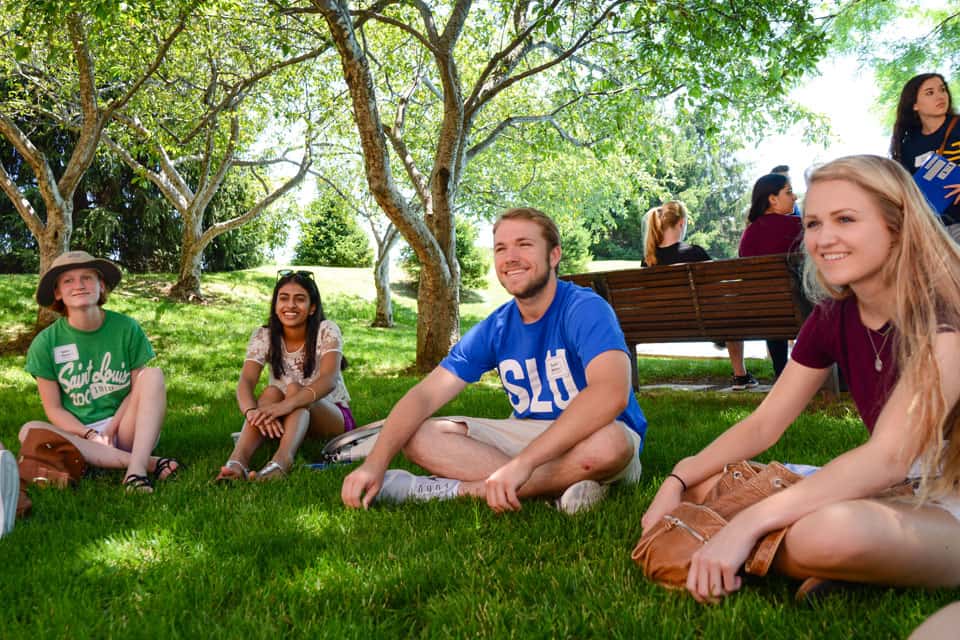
x=888, y=278
x=771, y=229
x=666, y=227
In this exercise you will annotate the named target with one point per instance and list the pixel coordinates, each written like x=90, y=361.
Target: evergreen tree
x=331, y=237
x=474, y=263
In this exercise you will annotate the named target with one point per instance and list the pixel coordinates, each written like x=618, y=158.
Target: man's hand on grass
x=503, y=483
x=361, y=486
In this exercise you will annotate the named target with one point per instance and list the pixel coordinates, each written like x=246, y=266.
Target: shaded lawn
x=287, y=560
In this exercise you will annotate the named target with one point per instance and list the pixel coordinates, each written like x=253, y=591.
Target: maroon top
x=833, y=333
x=769, y=234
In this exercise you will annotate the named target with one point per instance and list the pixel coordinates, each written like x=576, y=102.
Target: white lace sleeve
x=330, y=338
x=259, y=345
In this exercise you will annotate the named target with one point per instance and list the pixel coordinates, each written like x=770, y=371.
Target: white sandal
x=232, y=470
x=271, y=471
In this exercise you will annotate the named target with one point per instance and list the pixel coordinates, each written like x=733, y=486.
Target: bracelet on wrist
x=88, y=433
x=247, y=411
x=678, y=479
x=310, y=389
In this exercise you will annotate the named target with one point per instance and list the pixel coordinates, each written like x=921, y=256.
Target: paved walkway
x=722, y=388
x=751, y=349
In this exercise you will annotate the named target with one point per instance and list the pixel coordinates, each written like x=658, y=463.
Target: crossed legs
x=874, y=541
x=443, y=447
x=884, y=542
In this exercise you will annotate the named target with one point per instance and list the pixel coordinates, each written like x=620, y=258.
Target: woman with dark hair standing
x=926, y=123
x=305, y=395
x=771, y=229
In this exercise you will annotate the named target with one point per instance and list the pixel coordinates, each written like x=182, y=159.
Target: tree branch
x=22, y=205
x=222, y=227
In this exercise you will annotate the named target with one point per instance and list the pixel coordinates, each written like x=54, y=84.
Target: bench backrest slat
x=743, y=298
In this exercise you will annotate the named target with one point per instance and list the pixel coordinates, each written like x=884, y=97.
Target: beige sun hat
x=75, y=260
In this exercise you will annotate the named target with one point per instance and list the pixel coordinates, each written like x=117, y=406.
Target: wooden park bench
x=739, y=299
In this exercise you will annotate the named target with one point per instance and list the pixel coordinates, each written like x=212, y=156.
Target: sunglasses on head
x=284, y=273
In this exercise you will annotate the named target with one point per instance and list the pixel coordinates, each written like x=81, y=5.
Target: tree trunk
x=438, y=316
x=52, y=243
x=381, y=278
x=187, y=286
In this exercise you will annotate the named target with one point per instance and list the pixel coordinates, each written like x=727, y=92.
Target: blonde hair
x=666, y=216
x=924, y=271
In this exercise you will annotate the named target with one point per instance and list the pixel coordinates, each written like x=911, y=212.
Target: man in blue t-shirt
x=562, y=359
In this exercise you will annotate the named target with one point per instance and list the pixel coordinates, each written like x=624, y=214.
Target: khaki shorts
x=511, y=436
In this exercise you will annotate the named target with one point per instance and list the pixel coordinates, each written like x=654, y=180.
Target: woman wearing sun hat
x=90, y=371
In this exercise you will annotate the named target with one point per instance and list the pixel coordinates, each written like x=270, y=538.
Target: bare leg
x=735, y=349
x=140, y=426
x=874, y=541
x=443, y=448
x=250, y=437
x=942, y=625
x=322, y=420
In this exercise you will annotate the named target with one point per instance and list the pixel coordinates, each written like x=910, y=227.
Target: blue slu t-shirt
x=542, y=365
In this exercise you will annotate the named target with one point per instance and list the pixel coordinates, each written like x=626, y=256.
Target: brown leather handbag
x=665, y=549
x=47, y=458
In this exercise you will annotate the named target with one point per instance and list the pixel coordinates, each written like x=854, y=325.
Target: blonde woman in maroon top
x=888, y=280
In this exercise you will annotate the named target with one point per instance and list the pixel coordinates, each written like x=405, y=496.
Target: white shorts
x=512, y=435
x=950, y=504
x=100, y=425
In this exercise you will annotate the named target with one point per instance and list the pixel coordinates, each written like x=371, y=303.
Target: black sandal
x=137, y=484
x=163, y=464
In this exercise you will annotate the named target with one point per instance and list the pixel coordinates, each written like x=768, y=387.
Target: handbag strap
x=946, y=136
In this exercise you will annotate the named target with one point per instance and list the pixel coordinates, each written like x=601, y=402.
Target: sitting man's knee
x=606, y=451
x=418, y=445
x=421, y=444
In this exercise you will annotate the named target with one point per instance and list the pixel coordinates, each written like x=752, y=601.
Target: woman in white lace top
x=305, y=395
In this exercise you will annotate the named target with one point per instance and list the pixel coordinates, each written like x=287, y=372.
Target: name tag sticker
x=555, y=366
x=65, y=353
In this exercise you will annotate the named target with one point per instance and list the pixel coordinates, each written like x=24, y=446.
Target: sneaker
x=581, y=496
x=743, y=382
x=401, y=486
x=9, y=491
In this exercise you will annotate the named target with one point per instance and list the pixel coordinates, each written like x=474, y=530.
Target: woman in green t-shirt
x=90, y=371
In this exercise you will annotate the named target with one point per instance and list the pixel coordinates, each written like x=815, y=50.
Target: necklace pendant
x=878, y=364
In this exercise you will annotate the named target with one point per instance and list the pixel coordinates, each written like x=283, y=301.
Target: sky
x=847, y=95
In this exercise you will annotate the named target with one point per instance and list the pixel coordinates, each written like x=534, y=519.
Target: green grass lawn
x=286, y=560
